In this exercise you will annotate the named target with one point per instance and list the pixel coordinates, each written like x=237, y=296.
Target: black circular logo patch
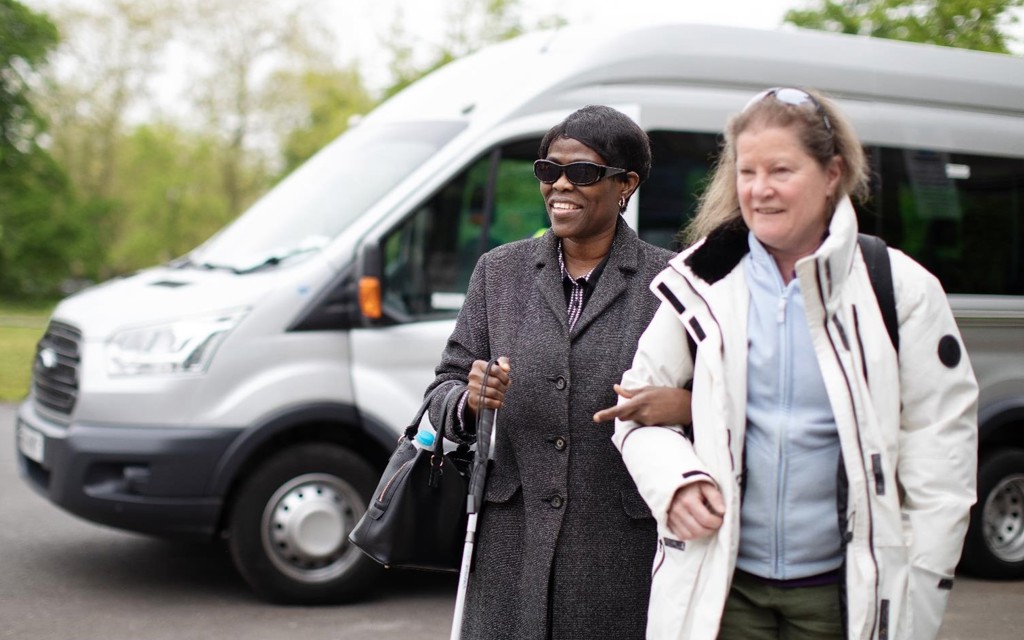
x=949, y=351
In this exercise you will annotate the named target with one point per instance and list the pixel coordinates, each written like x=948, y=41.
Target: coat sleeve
x=659, y=458
x=469, y=341
x=938, y=445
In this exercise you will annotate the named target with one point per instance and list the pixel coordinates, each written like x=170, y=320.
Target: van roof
x=841, y=64
x=510, y=76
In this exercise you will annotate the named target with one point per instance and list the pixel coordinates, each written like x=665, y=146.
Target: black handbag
x=417, y=516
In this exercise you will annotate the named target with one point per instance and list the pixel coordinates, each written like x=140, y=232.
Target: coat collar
x=834, y=258
x=715, y=256
x=623, y=261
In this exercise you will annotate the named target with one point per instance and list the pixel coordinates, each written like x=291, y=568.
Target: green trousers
x=755, y=610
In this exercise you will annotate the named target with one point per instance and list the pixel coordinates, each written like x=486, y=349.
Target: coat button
x=560, y=383
x=556, y=502
x=560, y=443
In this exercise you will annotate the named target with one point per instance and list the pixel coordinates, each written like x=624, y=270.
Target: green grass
x=21, y=326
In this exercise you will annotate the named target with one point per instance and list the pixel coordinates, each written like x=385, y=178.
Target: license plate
x=31, y=443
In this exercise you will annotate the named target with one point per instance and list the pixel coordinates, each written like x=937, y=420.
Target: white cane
x=486, y=437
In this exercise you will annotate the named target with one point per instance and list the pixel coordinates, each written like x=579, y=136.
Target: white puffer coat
x=910, y=474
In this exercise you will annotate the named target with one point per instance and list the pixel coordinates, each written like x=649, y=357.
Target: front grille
x=55, y=368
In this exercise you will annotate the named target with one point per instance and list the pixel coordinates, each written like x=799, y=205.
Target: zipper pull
x=780, y=311
x=876, y=469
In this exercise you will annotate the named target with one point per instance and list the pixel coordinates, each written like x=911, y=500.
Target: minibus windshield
x=322, y=197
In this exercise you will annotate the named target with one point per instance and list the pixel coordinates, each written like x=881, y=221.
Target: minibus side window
x=519, y=210
x=668, y=199
x=959, y=215
x=429, y=258
x=422, y=255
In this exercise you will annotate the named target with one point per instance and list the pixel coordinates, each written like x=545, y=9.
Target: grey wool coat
x=565, y=543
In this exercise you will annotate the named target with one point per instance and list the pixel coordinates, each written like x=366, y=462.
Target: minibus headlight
x=182, y=346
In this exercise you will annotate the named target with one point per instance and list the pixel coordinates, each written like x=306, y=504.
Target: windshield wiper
x=181, y=262
x=275, y=259
x=209, y=266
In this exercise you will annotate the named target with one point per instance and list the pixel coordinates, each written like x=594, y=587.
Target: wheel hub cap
x=1004, y=519
x=309, y=522
x=306, y=525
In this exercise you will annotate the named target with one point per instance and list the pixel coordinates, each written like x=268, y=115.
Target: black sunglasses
x=578, y=173
x=795, y=97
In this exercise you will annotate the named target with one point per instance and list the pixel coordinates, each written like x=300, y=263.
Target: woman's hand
x=696, y=511
x=649, y=406
x=497, y=384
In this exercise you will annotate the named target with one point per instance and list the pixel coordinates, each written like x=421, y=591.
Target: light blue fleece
x=789, y=524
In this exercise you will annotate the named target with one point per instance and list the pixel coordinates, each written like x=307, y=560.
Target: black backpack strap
x=876, y=256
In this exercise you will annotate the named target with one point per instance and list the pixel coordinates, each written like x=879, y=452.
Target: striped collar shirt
x=578, y=290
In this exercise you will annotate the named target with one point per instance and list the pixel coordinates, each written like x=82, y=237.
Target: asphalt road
x=62, y=578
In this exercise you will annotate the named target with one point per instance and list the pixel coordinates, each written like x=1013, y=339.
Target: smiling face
x=783, y=192
x=583, y=213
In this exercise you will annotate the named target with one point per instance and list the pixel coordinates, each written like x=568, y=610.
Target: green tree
x=328, y=100
x=109, y=55
x=471, y=26
x=968, y=24
x=155, y=176
x=100, y=85
x=248, y=44
x=170, y=195
x=26, y=39
x=36, y=231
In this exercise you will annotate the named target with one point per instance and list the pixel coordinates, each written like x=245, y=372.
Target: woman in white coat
x=825, y=487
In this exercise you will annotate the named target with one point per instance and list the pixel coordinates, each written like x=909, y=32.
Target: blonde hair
x=720, y=204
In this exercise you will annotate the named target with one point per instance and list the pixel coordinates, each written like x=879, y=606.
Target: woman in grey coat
x=565, y=543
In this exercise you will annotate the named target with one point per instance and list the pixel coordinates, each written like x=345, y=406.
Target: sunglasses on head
x=794, y=97
x=578, y=173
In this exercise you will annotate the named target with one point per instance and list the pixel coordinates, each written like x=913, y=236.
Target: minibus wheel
x=994, y=547
x=289, y=524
